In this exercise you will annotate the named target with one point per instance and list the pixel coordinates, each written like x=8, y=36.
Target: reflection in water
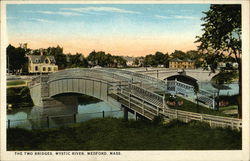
x=83, y=113
x=96, y=107
x=17, y=116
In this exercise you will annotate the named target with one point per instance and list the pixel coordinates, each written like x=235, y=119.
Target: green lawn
x=192, y=107
x=232, y=107
x=117, y=134
x=14, y=83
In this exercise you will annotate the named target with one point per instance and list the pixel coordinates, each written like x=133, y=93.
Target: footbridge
x=131, y=91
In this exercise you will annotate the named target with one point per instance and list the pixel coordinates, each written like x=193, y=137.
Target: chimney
x=41, y=51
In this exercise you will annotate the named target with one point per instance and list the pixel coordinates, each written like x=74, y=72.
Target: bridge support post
x=125, y=113
x=74, y=118
x=8, y=124
x=47, y=121
x=135, y=115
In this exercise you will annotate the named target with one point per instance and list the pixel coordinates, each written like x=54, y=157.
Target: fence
x=60, y=120
x=214, y=121
x=142, y=101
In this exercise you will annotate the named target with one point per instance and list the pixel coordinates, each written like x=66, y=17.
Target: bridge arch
x=87, y=86
x=184, y=79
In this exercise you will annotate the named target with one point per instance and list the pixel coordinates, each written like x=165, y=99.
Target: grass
x=232, y=107
x=192, y=107
x=14, y=83
x=117, y=134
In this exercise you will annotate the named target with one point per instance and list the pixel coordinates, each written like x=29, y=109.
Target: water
x=96, y=107
x=234, y=88
x=19, y=117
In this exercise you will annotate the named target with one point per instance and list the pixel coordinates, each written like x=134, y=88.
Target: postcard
x=124, y=80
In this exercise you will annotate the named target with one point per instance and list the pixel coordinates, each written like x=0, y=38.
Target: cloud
x=186, y=17
x=161, y=17
x=56, y=13
x=175, y=17
x=40, y=20
x=100, y=9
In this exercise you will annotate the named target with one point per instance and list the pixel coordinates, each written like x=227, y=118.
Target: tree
x=220, y=80
x=136, y=61
x=149, y=60
x=178, y=54
x=157, y=59
x=57, y=52
x=222, y=35
x=16, y=58
x=196, y=57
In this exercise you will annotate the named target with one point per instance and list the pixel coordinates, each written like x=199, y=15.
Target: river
x=18, y=117
x=233, y=88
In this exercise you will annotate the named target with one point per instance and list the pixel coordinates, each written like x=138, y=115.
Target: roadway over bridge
x=129, y=90
x=163, y=73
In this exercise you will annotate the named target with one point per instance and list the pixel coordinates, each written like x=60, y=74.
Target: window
x=47, y=61
x=49, y=69
x=36, y=68
x=44, y=68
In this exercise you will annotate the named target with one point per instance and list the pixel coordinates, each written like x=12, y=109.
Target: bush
x=19, y=97
x=158, y=120
x=199, y=124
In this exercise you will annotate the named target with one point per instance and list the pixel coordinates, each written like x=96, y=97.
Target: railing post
x=74, y=118
x=103, y=115
x=125, y=114
x=48, y=121
x=176, y=114
x=213, y=103
x=232, y=124
x=201, y=117
x=8, y=124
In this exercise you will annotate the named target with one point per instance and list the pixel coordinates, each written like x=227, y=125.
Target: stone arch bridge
x=163, y=73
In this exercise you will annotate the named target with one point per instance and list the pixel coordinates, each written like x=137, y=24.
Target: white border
x=232, y=155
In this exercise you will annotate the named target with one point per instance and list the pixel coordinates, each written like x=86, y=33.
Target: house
x=183, y=64
x=129, y=60
x=40, y=64
x=133, y=61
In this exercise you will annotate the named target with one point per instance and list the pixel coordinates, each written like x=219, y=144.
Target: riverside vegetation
x=117, y=134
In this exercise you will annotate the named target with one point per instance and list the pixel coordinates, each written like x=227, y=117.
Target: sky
x=118, y=29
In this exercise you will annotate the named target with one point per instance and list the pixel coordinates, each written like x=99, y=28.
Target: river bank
x=117, y=134
x=19, y=97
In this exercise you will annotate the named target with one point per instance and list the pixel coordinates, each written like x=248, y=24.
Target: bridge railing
x=214, y=121
x=156, y=108
x=188, y=91
x=135, y=76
